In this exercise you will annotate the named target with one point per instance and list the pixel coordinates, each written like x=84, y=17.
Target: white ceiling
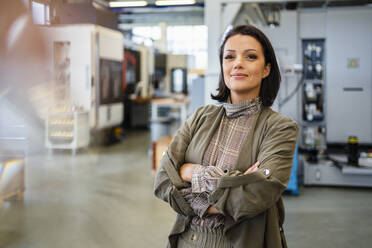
x=194, y=14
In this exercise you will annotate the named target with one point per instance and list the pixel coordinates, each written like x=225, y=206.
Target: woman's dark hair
x=270, y=85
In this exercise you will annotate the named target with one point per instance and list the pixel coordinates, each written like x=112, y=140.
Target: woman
x=227, y=166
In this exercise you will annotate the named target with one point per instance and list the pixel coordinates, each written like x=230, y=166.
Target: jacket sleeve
x=169, y=192
x=242, y=195
x=167, y=180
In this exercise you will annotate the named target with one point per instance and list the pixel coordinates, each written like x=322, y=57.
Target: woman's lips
x=239, y=75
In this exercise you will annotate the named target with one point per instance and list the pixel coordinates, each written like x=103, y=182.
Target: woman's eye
x=228, y=57
x=251, y=56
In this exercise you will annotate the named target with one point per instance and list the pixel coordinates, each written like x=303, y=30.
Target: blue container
x=293, y=178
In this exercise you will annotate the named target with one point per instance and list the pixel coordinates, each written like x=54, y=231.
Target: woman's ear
x=267, y=70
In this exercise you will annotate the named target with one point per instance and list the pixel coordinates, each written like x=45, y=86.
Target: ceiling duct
x=273, y=18
x=250, y=13
x=259, y=14
x=272, y=13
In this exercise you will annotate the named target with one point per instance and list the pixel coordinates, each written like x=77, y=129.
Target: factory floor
x=103, y=197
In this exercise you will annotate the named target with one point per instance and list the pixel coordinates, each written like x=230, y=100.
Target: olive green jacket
x=251, y=203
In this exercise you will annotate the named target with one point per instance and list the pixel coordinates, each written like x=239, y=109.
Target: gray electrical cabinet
x=349, y=75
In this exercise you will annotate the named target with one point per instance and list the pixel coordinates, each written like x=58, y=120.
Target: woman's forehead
x=242, y=43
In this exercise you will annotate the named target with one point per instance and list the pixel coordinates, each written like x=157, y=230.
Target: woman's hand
x=253, y=168
x=213, y=210
x=186, y=171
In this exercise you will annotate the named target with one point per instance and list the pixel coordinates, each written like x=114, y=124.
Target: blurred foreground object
x=21, y=57
x=12, y=173
x=22, y=71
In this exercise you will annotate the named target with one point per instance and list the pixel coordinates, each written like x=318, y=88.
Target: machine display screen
x=179, y=81
x=160, y=69
x=110, y=84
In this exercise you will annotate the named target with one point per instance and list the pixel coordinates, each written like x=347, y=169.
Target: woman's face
x=244, y=67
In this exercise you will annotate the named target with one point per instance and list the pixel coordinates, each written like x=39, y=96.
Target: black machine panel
x=111, y=87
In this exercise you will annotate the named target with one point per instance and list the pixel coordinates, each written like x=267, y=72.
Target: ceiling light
x=127, y=4
x=174, y=2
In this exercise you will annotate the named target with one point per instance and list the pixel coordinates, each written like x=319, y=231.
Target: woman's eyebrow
x=250, y=50
x=246, y=50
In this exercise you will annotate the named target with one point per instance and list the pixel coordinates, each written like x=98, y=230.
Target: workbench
x=167, y=115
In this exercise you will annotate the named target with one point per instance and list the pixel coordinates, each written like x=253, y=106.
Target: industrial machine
x=176, y=74
x=170, y=74
x=86, y=68
x=168, y=114
x=349, y=78
x=138, y=76
x=334, y=97
x=336, y=117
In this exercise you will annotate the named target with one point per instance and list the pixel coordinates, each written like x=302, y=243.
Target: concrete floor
x=103, y=198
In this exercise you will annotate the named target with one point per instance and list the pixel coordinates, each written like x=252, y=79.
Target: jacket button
x=194, y=237
x=266, y=172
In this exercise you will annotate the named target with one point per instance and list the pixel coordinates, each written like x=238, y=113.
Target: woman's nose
x=238, y=63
